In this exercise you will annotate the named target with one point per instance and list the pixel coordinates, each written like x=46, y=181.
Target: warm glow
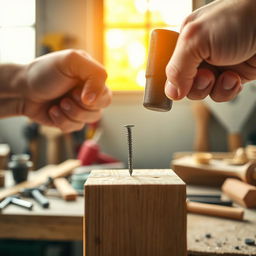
x=136, y=53
x=17, y=32
x=17, y=12
x=128, y=24
x=115, y=38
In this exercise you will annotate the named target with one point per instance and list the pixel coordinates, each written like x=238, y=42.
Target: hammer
x=162, y=45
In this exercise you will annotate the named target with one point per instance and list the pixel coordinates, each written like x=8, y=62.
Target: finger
x=181, y=70
x=227, y=86
x=75, y=112
x=203, y=84
x=101, y=101
x=61, y=121
x=246, y=70
x=82, y=67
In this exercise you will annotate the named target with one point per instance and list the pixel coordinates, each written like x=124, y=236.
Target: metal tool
x=16, y=201
x=162, y=45
x=37, y=193
x=129, y=136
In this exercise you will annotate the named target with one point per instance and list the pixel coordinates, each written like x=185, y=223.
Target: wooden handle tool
x=60, y=170
x=213, y=173
x=202, y=116
x=242, y=193
x=161, y=48
x=66, y=191
x=215, y=210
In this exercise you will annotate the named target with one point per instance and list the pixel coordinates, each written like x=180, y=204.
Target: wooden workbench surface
x=63, y=221
x=225, y=237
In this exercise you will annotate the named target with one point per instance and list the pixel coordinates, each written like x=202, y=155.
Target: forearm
x=11, y=80
x=11, y=83
x=11, y=107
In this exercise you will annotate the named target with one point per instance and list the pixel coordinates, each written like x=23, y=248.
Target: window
x=17, y=31
x=127, y=27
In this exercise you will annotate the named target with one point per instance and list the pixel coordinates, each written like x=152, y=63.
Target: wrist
x=12, y=80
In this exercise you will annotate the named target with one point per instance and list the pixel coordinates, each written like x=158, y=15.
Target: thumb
x=183, y=65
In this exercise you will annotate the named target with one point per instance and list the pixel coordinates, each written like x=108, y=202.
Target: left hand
x=65, y=89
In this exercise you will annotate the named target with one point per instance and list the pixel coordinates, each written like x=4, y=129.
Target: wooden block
x=214, y=173
x=142, y=214
x=242, y=193
x=66, y=191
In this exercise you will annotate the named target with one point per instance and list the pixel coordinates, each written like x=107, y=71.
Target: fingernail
x=171, y=91
x=55, y=112
x=201, y=82
x=229, y=82
x=65, y=105
x=90, y=97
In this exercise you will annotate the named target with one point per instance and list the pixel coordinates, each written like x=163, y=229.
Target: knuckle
x=190, y=29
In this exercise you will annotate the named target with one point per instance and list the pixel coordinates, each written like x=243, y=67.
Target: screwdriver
x=162, y=45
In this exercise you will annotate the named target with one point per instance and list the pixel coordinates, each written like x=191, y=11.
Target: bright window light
x=17, y=31
x=128, y=24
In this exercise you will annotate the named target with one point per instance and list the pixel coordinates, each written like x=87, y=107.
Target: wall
x=156, y=135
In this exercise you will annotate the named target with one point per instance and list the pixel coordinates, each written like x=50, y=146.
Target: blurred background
x=117, y=34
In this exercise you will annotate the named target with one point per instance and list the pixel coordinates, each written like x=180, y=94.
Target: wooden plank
x=142, y=214
x=65, y=189
x=38, y=227
x=60, y=170
x=214, y=173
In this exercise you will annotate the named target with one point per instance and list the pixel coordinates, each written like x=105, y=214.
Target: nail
x=201, y=82
x=171, y=91
x=90, y=97
x=65, y=105
x=55, y=112
x=229, y=82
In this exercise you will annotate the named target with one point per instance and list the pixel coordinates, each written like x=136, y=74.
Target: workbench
x=63, y=221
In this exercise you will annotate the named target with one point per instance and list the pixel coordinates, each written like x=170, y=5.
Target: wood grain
x=142, y=214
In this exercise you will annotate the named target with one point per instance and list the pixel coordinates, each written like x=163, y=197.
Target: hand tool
x=242, y=193
x=37, y=194
x=162, y=45
x=61, y=170
x=202, y=116
x=213, y=174
x=66, y=191
x=211, y=201
x=16, y=201
x=215, y=210
x=90, y=154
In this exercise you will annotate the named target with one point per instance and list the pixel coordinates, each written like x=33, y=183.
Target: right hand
x=215, y=53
